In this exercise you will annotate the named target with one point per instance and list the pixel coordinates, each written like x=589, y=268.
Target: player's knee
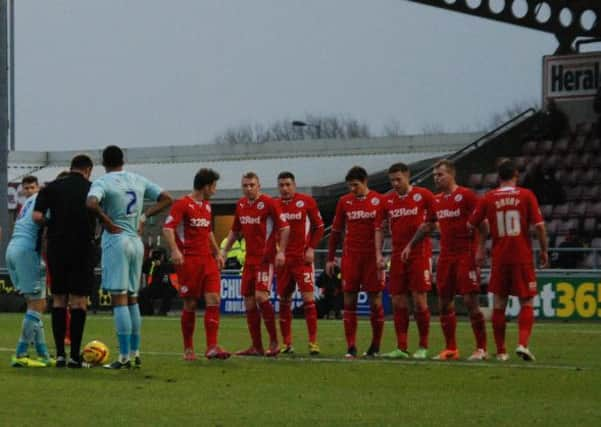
x=59, y=301
x=212, y=299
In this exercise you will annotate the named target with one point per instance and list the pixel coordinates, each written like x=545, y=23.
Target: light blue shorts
x=122, y=257
x=24, y=268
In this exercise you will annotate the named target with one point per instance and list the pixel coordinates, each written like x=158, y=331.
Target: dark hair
x=506, y=169
x=250, y=175
x=29, y=179
x=356, y=173
x=449, y=164
x=112, y=156
x=398, y=167
x=81, y=161
x=205, y=177
x=286, y=175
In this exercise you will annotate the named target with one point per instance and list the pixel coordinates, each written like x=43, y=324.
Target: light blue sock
x=40, y=339
x=136, y=325
x=123, y=327
x=28, y=327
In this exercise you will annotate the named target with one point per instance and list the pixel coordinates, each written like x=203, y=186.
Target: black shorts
x=71, y=269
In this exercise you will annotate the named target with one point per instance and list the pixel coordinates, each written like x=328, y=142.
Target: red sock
x=268, y=315
x=311, y=318
x=350, y=325
x=448, y=322
x=188, y=322
x=211, y=325
x=401, y=325
x=286, y=322
x=525, y=324
x=253, y=320
x=423, y=326
x=498, y=327
x=479, y=328
x=68, y=325
x=377, y=326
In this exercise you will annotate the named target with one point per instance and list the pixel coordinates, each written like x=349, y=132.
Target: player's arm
x=379, y=225
x=317, y=230
x=172, y=221
x=423, y=230
x=541, y=235
x=41, y=207
x=335, y=237
x=232, y=236
x=215, y=250
x=93, y=205
x=162, y=202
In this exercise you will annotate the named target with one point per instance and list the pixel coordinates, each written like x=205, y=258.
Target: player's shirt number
x=508, y=223
x=130, y=209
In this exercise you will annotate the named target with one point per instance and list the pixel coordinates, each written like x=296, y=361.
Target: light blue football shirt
x=25, y=232
x=121, y=196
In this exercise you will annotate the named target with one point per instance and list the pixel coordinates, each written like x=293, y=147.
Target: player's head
x=444, y=175
x=286, y=185
x=205, y=182
x=507, y=171
x=82, y=164
x=112, y=157
x=399, y=175
x=356, y=180
x=29, y=185
x=251, y=186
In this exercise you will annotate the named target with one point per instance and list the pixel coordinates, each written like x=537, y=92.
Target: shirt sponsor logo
x=417, y=197
x=401, y=212
x=353, y=215
x=297, y=216
x=199, y=222
x=448, y=213
x=250, y=220
x=300, y=204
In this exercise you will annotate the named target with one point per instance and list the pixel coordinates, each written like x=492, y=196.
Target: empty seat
x=520, y=162
x=560, y=211
x=574, y=193
x=544, y=147
x=547, y=211
x=596, y=243
x=589, y=226
x=475, y=180
x=529, y=148
x=561, y=146
x=577, y=210
x=491, y=180
x=569, y=225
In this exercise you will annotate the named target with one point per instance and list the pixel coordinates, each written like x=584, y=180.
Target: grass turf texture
x=562, y=388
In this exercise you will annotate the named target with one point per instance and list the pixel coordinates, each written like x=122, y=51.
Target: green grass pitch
x=562, y=388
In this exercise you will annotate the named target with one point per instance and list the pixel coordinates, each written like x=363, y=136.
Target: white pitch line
x=365, y=361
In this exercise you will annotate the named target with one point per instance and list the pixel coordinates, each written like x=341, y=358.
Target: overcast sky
x=158, y=72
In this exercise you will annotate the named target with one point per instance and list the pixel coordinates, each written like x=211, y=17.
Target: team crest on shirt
x=168, y=219
x=184, y=289
x=375, y=201
x=208, y=207
x=260, y=205
x=458, y=198
x=417, y=197
x=300, y=204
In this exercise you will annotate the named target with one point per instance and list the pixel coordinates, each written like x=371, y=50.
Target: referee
x=61, y=206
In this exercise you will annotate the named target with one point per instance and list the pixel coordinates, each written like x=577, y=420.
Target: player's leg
x=400, y=310
x=349, y=317
x=305, y=277
x=78, y=304
x=211, y=286
x=420, y=285
x=59, y=300
x=253, y=317
x=188, y=324
x=499, y=285
x=446, y=282
x=285, y=288
x=373, y=281
x=262, y=290
x=472, y=303
x=525, y=288
x=135, y=260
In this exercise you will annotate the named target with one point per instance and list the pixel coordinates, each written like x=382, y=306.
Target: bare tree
x=393, y=128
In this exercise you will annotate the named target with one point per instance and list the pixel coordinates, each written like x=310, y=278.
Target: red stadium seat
x=475, y=180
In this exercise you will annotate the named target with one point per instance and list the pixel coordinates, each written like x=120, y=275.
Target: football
x=95, y=353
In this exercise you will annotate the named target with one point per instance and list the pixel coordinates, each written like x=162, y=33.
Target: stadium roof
x=315, y=163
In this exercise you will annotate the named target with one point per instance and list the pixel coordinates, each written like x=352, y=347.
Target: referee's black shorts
x=71, y=268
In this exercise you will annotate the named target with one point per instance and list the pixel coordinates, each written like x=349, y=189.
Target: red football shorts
x=294, y=272
x=256, y=278
x=198, y=275
x=457, y=275
x=360, y=272
x=415, y=275
x=513, y=279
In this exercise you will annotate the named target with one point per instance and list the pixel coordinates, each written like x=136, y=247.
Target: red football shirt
x=405, y=213
x=452, y=211
x=259, y=222
x=191, y=221
x=510, y=212
x=306, y=225
x=357, y=215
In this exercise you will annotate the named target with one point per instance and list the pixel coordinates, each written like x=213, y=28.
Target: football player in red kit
x=260, y=221
x=306, y=230
x=510, y=211
x=356, y=215
x=197, y=259
x=405, y=209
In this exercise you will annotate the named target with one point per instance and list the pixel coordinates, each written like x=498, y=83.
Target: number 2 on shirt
x=131, y=208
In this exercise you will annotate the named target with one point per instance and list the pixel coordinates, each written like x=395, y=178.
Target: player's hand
x=380, y=262
x=405, y=254
x=280, y=259
x=176, y=257
x=480, y=256
x=220, y=260
x=309, y=256
x=140, y=228
x=330, y=267
x=544, y=259
x=113, y=228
